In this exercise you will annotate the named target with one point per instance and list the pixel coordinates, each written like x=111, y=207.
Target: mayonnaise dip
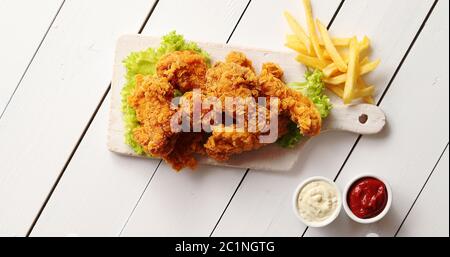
x=317, y=201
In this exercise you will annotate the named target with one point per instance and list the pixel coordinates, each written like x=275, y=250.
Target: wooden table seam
x=421, y=190
x=32, y=59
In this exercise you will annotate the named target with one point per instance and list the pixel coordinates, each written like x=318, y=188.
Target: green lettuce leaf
x=291, y=138
x=313, y=88
x=144, y=62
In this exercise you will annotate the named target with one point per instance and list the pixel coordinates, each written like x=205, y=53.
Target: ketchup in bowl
x=367, y=197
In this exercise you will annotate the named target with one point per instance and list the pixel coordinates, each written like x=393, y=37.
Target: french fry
x=364, y=45
x=336, y=80
x=342, y=60
x=326, y=55
x=331, y=49
x=369, y=98
x=295, y=44
x=336, y=90
x=337, y=41
x=297, y=47
x=365, y=94
x=293, y=38
x=366, y=68
x=330, y=70
x=342, y=53
x=353, y=71
x=298, y=31
x=312, y=62
x=312, y=29
x=364, y=61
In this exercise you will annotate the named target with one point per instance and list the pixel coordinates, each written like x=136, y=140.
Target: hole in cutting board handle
x=363, y=118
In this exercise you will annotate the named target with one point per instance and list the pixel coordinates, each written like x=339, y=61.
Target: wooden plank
x=55, y=101
x=23, y=25
x=405, y=153
x=99, y=189
x=212, y=21
x=183, y=204
x=429, y=216
x=190, y=204
x=262, y=205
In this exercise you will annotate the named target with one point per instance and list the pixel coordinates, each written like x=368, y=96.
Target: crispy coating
x=185, y=70
x=283, y=122
x=227, y=141
x=151, y=101
x=191, y=102
x=240, y=59
x=187, y=145
x=236, y=78
x=229, y=79
x=300, y=109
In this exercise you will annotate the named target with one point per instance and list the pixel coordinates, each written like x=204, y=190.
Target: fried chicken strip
x=185, y=70
x=152, y=101
x=235, y=79
x=299, y=108
x=226, y=141
x=187, y=145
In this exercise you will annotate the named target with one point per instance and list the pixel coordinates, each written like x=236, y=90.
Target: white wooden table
x=58, y=178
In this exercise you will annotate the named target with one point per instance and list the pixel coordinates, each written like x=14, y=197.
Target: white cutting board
x=271, y=157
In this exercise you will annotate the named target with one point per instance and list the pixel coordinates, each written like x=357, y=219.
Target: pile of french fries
x=343, y=61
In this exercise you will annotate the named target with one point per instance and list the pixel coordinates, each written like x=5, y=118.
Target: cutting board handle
x=361, y=119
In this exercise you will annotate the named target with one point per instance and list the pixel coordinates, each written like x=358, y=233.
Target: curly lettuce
x=313, y=88
x=144, y=62
x=292, y=137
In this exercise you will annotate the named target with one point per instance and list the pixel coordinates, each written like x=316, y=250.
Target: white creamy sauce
x=317, y=201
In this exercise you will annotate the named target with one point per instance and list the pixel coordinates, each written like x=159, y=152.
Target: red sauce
x=367, y=197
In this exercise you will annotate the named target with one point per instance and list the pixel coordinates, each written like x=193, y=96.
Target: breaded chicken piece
x=189, y=103
x=231, y=79
x=185, y=70
x=283, y=122
x=224, y=143
x=152, y=101
x=187, y=145
x=236, y=78
x=240, y=59
x=299, y=108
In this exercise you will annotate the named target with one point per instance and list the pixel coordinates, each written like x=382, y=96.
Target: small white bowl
x=381, y=214
x=324, y=222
